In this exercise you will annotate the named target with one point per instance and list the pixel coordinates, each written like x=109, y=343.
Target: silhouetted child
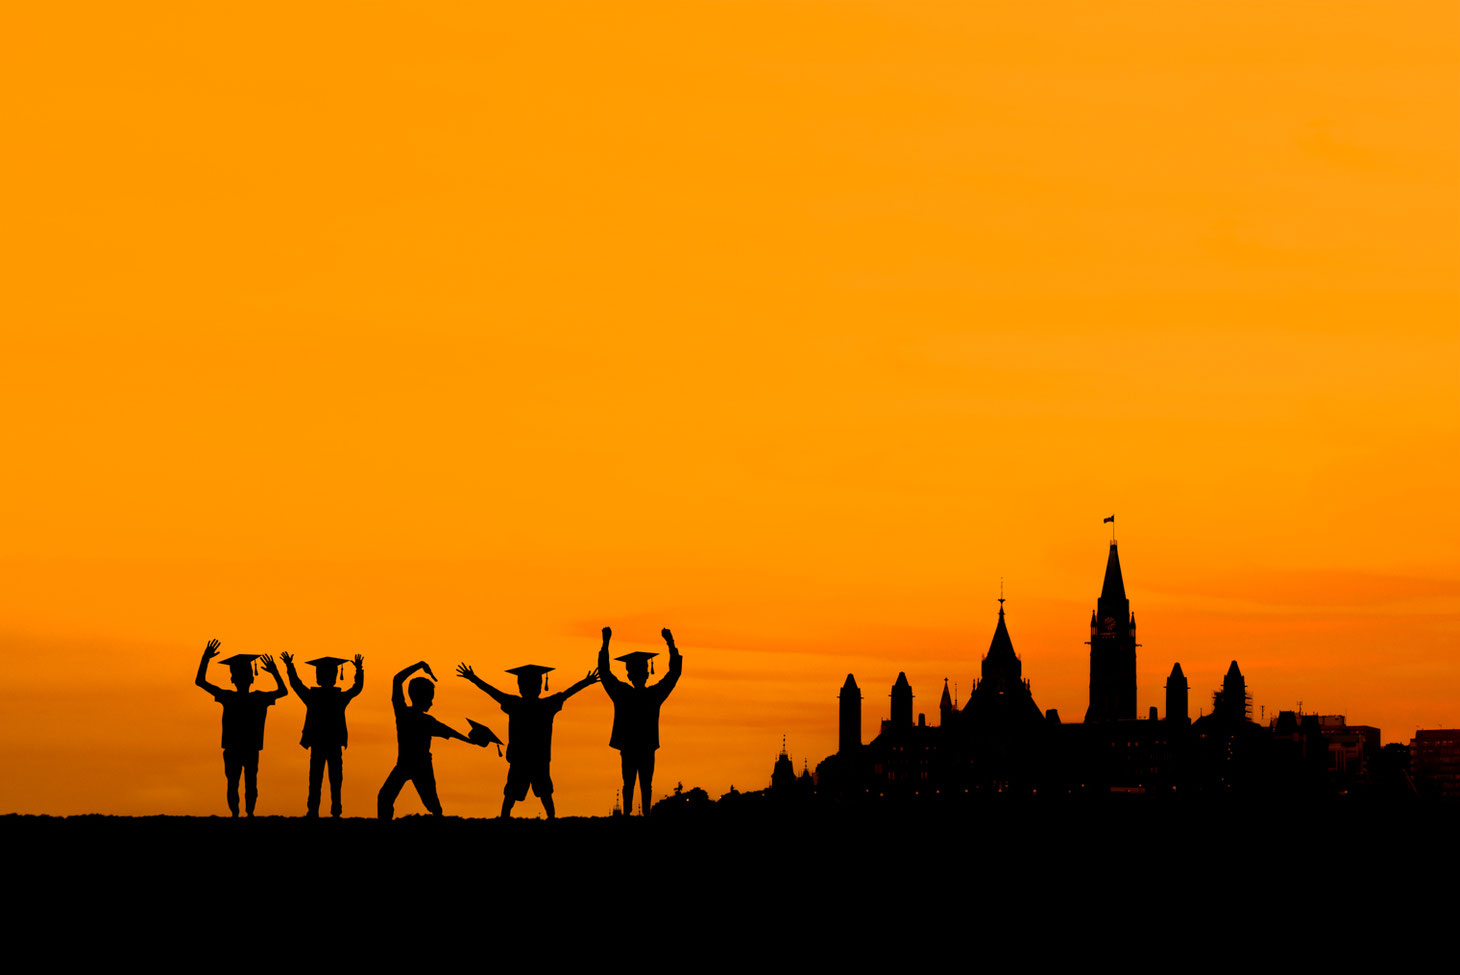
x=243, y=720
x=325, y=734
x=636, y=714
x=414, y=729
x=529, y=732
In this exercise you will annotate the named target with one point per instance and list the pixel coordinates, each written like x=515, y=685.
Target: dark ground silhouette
x=1167, y=885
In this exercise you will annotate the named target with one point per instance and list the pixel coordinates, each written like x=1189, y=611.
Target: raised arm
x=397, y=684
x=605, y=672
x=466, y=673
x=676, y=664
x=359, y=684
x=444, y=731
x=209, y=652
x=588, y=681
x=294, y=680
x=273, y=668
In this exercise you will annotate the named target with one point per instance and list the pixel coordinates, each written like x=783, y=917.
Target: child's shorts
x=520, y=776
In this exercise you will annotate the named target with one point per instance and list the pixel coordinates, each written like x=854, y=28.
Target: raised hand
x=211, y=650
x=359, y=662
x=287, y=657
x=592, y=677
x=427, y=668
x=462, y=670
x=668, y=637
x=607, y=635
x=269, y=665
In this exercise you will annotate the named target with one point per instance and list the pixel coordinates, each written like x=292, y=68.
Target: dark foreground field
x=1131, y=883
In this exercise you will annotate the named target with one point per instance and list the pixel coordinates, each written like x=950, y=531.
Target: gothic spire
x=1113, y=589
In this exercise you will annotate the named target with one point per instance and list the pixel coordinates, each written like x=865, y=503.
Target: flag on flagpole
x=1108, y=520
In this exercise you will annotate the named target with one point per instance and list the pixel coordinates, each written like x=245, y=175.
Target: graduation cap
x=532, y=670
x=241, y=661
x=639, y=657
x=327, y=662
x=482, y=735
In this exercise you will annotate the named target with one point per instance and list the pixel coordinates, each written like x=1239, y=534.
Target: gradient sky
x=793, y=326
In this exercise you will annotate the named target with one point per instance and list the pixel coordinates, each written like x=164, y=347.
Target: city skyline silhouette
x=996, y=739
x=999, y=691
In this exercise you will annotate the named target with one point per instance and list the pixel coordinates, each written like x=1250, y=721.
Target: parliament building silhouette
x=999, y=741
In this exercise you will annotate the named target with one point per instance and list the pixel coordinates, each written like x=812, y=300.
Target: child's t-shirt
x=414, y=730
x=530, y=727
x=243, y=717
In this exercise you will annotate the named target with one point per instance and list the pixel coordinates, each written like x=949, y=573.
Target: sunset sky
x=459, y=331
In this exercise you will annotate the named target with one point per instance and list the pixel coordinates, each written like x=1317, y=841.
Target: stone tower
x=1178, y=709
x=849, y=738
x=1112, y=649
x=902, y=698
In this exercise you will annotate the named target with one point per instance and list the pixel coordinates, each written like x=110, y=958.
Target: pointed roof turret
x=1177, y=675
x=1001, y=647
x=946, y=703
x=1001, y=661
x=1113, y=588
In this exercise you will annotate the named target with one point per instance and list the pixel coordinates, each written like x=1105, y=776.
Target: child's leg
x=425, y=780
x=250, y=781
x=336, y=761
x=542, y=787
x=232, y=769
x=646, y=782
x=626, y=762
x=518, y=778
x=316, y=774
x=385, y=801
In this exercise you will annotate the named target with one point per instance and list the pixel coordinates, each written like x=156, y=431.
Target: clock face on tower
x=1108, y=625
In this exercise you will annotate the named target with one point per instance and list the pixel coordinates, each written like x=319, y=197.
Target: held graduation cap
x=240, y=662
x=532, y=670
x=639, y=657
x=482, y=735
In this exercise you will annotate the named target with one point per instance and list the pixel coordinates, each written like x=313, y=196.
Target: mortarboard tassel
x=499, y=749
x=651, y=666
x=544, y=681
x=255, y=666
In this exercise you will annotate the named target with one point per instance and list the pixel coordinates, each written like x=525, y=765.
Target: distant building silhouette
x=1434, y=762
x=1177, y=700
x=902, y=703
x=849, y=725
x=1232, y=703
x=1112, y=649
x=1000, y=741
x=1001, y=697
x=783, y=774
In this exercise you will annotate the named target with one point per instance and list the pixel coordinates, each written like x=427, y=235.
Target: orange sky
x=793, y=326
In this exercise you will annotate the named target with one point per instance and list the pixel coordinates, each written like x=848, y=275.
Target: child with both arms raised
x=244, y=712
x=529, y=732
